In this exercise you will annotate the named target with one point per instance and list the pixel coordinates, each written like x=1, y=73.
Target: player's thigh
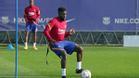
x=57, y=49
x=28, y=27
x=34, y=28
x=69, y=47
x=59, y=52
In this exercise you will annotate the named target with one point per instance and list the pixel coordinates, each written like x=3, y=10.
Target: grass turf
x=103, y=62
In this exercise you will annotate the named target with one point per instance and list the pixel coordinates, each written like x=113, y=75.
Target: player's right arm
x=25, y=15
x=47, y=30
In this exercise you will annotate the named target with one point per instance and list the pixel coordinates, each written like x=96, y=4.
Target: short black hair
x=61, y=9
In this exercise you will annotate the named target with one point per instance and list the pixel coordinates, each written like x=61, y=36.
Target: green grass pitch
x=103, y=62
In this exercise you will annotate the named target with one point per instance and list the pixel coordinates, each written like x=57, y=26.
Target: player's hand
x=37, y=20
x=52, y=41
x=26, y=20
x=72, y=31
x=34, y=22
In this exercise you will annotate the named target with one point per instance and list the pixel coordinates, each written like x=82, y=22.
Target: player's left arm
x=38, y=15
x=71, y=32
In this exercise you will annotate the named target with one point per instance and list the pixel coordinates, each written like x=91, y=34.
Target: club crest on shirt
x=61, y=31
x=31, y=13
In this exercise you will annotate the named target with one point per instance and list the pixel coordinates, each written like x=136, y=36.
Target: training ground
x=102, y=61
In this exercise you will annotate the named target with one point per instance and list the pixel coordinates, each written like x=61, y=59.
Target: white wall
x=131, y=41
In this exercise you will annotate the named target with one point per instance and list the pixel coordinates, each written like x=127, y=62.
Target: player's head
x=62, y=13
x=31, y=2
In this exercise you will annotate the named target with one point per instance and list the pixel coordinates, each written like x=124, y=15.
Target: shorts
x=31, y=27
x=68, y=46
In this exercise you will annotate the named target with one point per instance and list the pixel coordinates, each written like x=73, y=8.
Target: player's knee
x=79, y=49
x=63, y=54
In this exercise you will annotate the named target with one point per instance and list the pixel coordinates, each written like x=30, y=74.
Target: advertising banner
x=84, y=15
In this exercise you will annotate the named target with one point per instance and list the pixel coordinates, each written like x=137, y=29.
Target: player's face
x=31, y=2
x=63, y=15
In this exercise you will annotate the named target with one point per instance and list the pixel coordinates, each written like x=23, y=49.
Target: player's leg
x=79, y=52
x=26, y=39
x=70, y=47
x=63, y=63
x=61, y=53
x=34, y=30
x=27, y=30
x=35, y=39
x=63, y=56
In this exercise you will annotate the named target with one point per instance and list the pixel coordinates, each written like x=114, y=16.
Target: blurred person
x=31, y=15
x=56, y=33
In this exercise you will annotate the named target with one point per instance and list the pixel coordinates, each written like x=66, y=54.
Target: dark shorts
x=31, y=27
x=68, y=46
